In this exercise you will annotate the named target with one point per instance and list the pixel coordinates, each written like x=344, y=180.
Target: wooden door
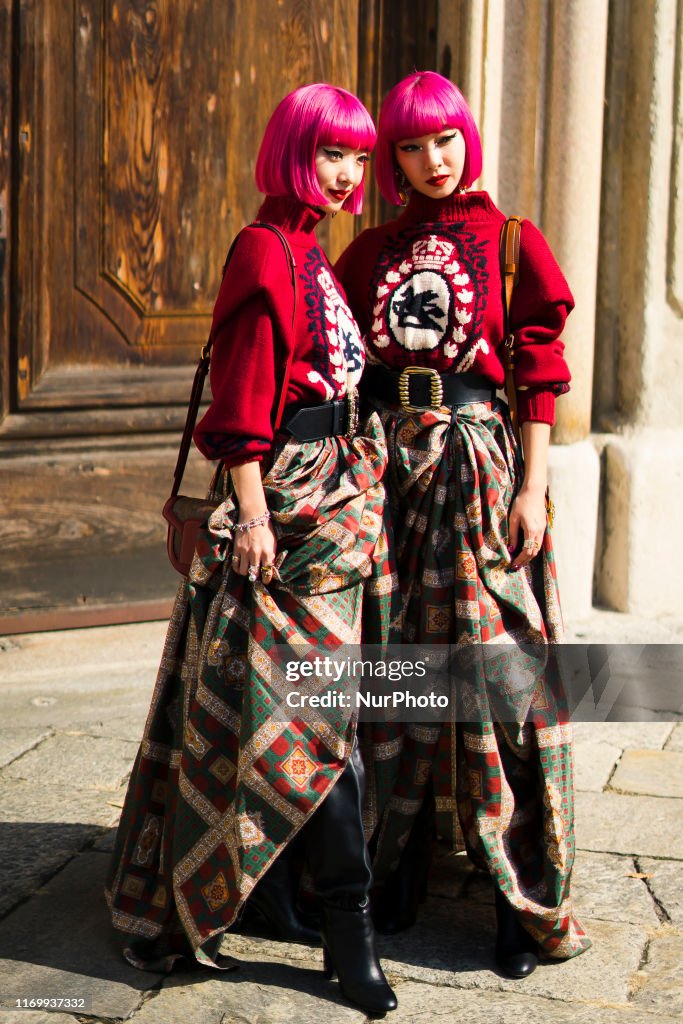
x=129, y=135
x=138, y=124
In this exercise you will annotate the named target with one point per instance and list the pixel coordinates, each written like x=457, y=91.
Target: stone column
x=523, y=104
x=638, y=392
x=470, y=41
x=571, y=195
x=534, y=75
x=570, y=218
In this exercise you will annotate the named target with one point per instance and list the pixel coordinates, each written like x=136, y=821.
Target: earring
x=461, y=189
x=402, y=186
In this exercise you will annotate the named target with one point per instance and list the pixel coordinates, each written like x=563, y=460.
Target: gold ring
x=267, y=573
x=235, y=558
x=529, y=545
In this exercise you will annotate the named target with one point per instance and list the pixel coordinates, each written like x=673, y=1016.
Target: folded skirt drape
x=501, y=768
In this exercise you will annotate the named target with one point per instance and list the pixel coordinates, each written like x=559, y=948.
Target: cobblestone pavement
x=73, y=705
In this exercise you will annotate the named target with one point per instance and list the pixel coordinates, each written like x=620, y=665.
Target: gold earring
x=402, y=187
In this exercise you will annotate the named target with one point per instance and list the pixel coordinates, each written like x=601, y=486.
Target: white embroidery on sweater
x=418, y=310
x=315, y=378
x=345, y=346
x=418, y=302
x=468, y=359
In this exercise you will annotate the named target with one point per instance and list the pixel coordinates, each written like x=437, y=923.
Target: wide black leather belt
x=418, y=387
x=313, y=422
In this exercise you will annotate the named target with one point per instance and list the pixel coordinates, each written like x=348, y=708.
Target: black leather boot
x=340, y=864
x=395, y=907
x=274, y=900
x=516, y=951
x=349, y=951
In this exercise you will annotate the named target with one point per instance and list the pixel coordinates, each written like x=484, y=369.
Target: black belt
x=418, y=387
x=313, y=422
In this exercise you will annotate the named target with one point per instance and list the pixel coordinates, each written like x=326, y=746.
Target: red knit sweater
x=426, y=290
x=253, y=335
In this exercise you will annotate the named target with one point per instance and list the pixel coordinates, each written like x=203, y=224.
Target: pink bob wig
x=420, y=104
x=311, y=116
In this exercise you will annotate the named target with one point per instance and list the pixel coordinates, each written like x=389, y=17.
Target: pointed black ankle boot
x=516, y=951
x=349, y=951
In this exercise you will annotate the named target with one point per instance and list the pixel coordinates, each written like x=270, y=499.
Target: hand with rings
x=265, y=571
x=254, y=550
x=528, y=515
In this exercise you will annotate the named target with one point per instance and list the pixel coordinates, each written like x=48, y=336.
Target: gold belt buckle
x=351, y=413
x=435, y=388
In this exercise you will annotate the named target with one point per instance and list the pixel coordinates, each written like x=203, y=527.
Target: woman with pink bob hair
x=473, y=546
x=417, y=106
x=306, y=119
x=231, y=771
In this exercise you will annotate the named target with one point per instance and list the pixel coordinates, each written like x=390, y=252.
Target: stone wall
x=580, y=109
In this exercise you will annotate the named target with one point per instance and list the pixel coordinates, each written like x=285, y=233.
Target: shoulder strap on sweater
x=292, y=273
x=509, y=272
x=205, y=360
x=509, y=258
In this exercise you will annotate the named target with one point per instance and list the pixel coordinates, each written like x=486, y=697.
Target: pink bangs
x=420, y=104
x=311, y=116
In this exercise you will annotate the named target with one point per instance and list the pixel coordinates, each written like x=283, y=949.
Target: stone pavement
x=73, y=705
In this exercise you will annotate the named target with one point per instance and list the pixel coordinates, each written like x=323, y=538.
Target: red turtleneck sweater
x=253, y=335
x=426, y=290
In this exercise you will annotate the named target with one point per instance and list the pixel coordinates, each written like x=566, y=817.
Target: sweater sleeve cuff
x=536, y=406
x=239, y=460
x=231, y=450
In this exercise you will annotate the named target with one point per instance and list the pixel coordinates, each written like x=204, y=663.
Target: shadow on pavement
x=60, y=941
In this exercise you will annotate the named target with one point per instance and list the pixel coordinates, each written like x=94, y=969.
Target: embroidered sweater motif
x=253, y=335
x=427, y=291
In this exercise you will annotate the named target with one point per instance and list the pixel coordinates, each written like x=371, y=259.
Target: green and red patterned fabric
x=223, y=780
x=501, y=769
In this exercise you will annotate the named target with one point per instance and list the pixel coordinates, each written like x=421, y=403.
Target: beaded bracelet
x=256, y=521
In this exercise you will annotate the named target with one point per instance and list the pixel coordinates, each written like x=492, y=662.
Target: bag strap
x=509, y=272
x=292, y=273
x=205, y=360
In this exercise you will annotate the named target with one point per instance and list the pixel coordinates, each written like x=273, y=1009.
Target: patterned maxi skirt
x=224, y=779
x=501, y=769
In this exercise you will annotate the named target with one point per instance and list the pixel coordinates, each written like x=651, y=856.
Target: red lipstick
x=437, y=180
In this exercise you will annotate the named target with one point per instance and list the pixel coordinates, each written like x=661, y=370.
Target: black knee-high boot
x=395, y=907
x=341, y=870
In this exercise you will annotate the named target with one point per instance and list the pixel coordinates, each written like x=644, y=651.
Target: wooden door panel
x=135, y=131
x=5, y=225
x=145, y=118
x=149, y=219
